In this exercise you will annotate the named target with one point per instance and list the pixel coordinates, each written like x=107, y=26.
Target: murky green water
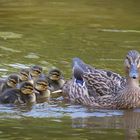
x=52, y=32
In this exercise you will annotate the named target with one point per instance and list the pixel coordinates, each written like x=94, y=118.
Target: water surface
x=50, y=33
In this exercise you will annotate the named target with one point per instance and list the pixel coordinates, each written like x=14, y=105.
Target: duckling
x=55, y=79
x=127, y=98
x=36, y=72
x=42, y=92
x=24, y=74
x=25, y=94
x=10, y=82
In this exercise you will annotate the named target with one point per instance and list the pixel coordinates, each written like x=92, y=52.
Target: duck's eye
x=43, y=84
x=24, y=74
x=27, y=90
x=38, y=71
x=13, y=81
x=55, y=73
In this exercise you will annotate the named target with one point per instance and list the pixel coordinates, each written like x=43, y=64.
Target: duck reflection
x=129, y=121
x=132, y=125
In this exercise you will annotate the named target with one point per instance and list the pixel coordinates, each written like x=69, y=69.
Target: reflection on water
x=50, y=33
x=75, y=119
x=123, y=31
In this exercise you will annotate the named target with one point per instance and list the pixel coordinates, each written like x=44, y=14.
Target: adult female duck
x=128, y=97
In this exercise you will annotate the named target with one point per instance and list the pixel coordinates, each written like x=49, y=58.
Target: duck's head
x=24, y=74
x=12, y=80
x=55, y=74
x=26, y=88
x=35, y=71
x=41, y=84
x=132, y=64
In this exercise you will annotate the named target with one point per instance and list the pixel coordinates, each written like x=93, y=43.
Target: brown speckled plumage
x=127, y=98
x=100, y=82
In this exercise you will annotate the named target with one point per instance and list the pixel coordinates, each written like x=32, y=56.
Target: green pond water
x=50, y=33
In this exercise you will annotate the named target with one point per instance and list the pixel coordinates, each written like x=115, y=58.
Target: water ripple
x=10, y=35
x=32, y=55
x=120, y=31
x=18, y=65
x=9, y=49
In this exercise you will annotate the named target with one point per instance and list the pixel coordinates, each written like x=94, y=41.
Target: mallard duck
x=23, y=94
x=10, y=82
x=128, y=97
x=41, y=90
x=98, y=81
x=55, y=79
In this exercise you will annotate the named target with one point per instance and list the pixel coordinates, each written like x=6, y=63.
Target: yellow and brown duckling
x=10, y=82
x=41, y=90
x=55, y=79
x=24, y=74
x=35, y=71
x=127, y=98
x=23, y=94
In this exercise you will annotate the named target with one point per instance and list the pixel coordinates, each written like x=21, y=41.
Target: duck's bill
x=133, y=71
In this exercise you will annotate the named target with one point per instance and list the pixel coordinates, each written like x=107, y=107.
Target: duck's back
x=11, y=96
x=104, y=82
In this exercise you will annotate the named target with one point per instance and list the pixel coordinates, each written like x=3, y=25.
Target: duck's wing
x=104, y=82
x=73, y=90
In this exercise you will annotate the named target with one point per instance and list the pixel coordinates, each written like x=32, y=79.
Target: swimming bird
x=10, y=82
x=23, y=94
x=41, y=90
x=55, y=79
x=35, y=72
x=24, y=74
x=128, y=97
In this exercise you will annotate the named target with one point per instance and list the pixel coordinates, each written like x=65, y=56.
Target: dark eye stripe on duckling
x=34, y=72
x=28, y=87
x=55, y=73
x=38, y=71
x=42, y=83
x=24, y=74
x=13, y=81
